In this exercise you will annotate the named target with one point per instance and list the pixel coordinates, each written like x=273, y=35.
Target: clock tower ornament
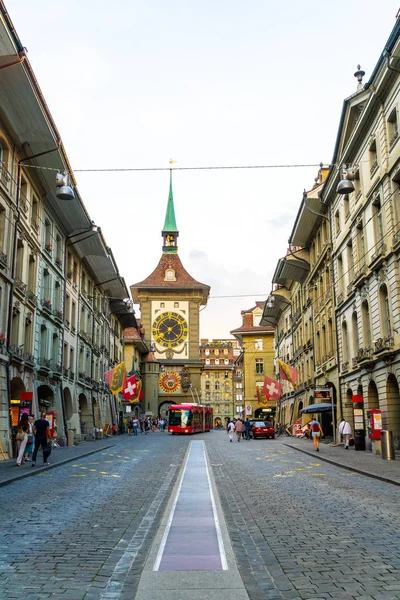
x=170, y=300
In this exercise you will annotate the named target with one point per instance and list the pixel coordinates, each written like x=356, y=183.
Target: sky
x=132, y=84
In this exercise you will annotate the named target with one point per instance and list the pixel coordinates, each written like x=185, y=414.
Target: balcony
x=81, y=377
x=44, y=364
x=383, y=344
x=393, y=140
x=29, y=358
x=374, y=168
x=345, y=367
x=17, y=353
x=3, y=260
x=378, y=257
x=364, y=356
x=396, y=240
x=35, y=226
x=20, y=286
x=360, y=276
x=58, y=370
x=31, y=297
x=65, y=372
x=58, y=313
x=49, y=248
x=59, y=262
x=46, y=305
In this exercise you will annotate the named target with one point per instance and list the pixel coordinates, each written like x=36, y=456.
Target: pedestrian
x=316, y=432
x=161, y=423
x=22, y=439
x=114, y=429
x=135, y=424
x=141, y=423
x=29, y=444
x=147, y=425
x=231, y=430
x=153, y=425
x=41, y=431
x=345, y=431
x=130, y=427
x=247, y=427
x=239, y=428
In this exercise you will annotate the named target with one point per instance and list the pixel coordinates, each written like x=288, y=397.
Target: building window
x=226, y=351
x=373, y=158
x=337, y=222
x=256, y=320
x=239, y=397
x=346, y=205
x=340, y=273
x=393, y=128
x=377, y=221
x=226, y=361
x=217, y=361
x=366, y=324
x=207, y=352
x=216, y=385
x=207, y=385
x=350, y=261
x=216, y=375
x=384, y=310
x=258, y=344
x=361, y=244
x=259, y=365
x=345, y=343
x=354, y=331
x=207, y=361
x=216, y=352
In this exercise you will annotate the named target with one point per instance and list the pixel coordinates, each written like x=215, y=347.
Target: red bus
x=190, y=418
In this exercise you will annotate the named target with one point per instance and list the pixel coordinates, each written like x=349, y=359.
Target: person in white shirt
x=345, y=431
x=231, y=430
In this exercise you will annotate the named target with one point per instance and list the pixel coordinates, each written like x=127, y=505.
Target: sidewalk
x=359, y=462
x=9, y=472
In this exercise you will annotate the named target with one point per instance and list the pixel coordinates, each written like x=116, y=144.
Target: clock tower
x=170, y=301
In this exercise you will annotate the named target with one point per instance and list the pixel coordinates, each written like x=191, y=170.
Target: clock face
x=170, y=330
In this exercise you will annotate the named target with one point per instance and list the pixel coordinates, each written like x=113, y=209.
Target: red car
x=262, y=429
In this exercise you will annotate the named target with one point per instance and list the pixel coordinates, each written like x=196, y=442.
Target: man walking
x=41, y=431
x=345, y=431
x=231, y=430
x=239, y=429
x=135, y=424
x=247, y=427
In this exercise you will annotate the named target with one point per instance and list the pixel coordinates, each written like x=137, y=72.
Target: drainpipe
x=13, y=261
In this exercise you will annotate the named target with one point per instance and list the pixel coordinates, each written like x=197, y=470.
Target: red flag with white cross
x=272, y=389
x=130, y=389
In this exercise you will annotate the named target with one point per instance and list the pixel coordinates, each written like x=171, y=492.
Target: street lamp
x=346, y=185
x=64, y=189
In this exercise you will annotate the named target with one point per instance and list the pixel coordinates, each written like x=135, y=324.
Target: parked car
x=262, y=429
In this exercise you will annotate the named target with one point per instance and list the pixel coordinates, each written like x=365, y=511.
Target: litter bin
x=70, y=437
x=387, y=445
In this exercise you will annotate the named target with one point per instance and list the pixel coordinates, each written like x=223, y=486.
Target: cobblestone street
x=299, y=528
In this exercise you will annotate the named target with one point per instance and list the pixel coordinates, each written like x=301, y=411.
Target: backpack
x=315, y=427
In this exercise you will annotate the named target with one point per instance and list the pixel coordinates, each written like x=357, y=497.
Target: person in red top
x=316, y=433
x=239, y=429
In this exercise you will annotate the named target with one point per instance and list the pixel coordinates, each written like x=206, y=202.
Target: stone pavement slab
x=362, y=462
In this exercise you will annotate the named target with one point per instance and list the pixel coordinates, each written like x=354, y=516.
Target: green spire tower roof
x=170, y=221
x=170, y=231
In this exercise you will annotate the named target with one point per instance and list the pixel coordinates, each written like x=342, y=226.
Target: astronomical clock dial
x=170, y=330
x=170, y=382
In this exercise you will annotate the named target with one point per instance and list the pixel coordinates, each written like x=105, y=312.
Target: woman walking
x=22, y=440
x=316, y=432
x=239, y=429
x=345, y=431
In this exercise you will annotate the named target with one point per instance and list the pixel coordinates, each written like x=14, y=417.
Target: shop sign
x=249, y=410
x=322, y=393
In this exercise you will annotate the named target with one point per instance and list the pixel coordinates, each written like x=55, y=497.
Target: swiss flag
x=272, y=389
x=129, y=391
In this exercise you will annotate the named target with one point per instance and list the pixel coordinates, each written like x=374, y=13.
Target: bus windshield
x=180, y=418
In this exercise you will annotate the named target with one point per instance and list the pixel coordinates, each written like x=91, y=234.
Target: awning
x=124, y=314
x=272, y=313
x=290, y=269
x=316, y=408
x=307, y=222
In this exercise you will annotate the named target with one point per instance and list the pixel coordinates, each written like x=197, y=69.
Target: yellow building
x=257, y=342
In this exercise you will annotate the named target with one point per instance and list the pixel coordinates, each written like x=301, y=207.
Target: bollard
x=70, y=437
x=387, y=445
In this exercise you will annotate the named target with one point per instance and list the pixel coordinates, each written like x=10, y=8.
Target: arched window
x=384, y=311
x=216, y=386
x=345, y=343
x=354, y=331
x=366, y=324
